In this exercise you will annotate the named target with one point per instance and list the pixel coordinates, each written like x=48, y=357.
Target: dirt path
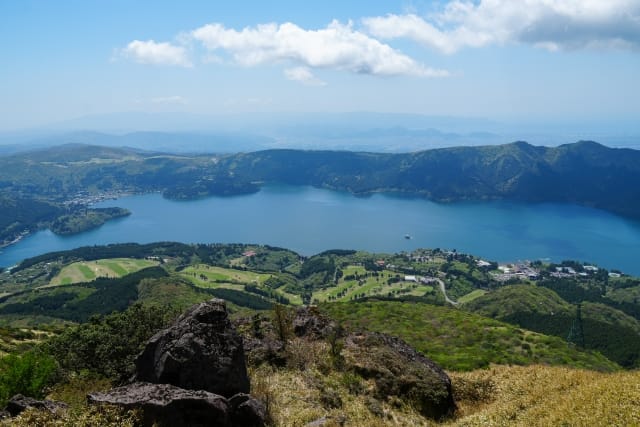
x=444, y=292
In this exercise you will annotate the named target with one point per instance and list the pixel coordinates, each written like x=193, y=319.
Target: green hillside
x=584, y=173
x=89, y=311
x=497, y=324
x=600, y=327
x=462, y=341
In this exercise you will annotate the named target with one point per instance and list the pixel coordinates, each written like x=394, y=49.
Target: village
x=86, y=198
x=527, y=270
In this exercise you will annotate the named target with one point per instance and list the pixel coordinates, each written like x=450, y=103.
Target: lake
x=310, y=220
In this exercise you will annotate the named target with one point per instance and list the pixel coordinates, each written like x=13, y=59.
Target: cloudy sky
x=496, y=59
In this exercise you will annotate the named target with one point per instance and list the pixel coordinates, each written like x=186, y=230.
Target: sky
x=544, y=60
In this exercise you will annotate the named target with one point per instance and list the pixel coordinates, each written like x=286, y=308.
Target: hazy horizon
x=358, y=131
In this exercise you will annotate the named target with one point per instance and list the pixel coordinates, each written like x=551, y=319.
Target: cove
x=310, y=220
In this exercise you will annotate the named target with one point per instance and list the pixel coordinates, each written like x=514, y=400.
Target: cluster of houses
x=519, y=270
x=571, y=272
x=524, y=270
x=420, y=279
x=85, y=198
x=566, y=272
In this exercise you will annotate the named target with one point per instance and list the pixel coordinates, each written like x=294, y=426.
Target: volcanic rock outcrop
x=192, y=374
x=200, y=351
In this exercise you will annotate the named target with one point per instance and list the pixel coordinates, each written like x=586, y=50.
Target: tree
x=108, y=345
x=282, y=318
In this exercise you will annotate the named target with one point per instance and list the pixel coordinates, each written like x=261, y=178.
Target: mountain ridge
x=517, y=171
x=584, y=173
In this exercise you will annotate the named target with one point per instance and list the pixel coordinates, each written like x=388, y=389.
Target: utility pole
x=576, y=334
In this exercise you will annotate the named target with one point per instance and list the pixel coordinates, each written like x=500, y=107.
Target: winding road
x=444, y=292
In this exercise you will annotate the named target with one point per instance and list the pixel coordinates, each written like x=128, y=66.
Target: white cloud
x=169, y=100
x=304, y=76
x=550, y=24
x=150, y=52
x=337, y=46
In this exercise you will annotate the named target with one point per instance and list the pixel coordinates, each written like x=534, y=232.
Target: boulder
x=167, y=405
x=200, y=351
x=310, y=323
x=19, y=403
x=247, y=411
x=266, y=350
x=399, y=370
x=186, y=373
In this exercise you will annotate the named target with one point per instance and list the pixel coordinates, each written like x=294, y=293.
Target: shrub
x=108, y=345
x=27, y=374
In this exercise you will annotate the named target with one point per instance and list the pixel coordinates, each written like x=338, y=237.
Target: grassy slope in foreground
x=550, y=396
x=462, y=341
x=528, y=396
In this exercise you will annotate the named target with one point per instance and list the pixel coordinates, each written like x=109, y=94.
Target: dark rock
x=309, y=322
x=247, y=411
x=167, y=405
x=171, y=406
x=200, y=351
x=186, y=372
x=238, y=399
x=399, y=370
x=19, y=403
x=267, y=349
x=262, y=343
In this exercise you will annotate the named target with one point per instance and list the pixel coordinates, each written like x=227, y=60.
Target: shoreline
x=78, y=200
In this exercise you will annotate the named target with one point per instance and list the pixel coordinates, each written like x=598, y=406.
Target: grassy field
x=346, y=290
x=207, y=276
x=471, y=296
x=204, y=274
x=86, y=271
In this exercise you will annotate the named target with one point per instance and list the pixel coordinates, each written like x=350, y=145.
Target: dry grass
x=499, y=396
x=310, y=390
x=296, y=398
x=91, y=417
x=551, y=396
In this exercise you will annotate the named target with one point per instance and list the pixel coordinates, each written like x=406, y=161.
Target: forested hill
x=585, y=173
x=50, y=181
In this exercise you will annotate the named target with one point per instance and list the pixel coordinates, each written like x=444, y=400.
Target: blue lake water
x=310, y=220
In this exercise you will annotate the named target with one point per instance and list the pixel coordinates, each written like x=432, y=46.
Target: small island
x=85, y=219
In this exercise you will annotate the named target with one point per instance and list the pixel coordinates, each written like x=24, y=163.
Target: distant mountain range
x=355, y=131
x=176, y=142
